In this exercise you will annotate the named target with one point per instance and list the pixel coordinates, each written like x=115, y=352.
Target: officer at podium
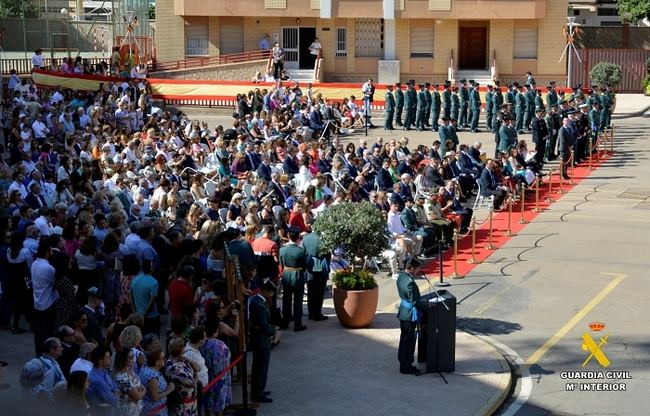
x=408, y=315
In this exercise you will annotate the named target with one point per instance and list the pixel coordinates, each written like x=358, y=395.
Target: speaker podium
x=437, y=341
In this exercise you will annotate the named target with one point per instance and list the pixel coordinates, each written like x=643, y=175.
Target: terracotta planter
x=355, y=308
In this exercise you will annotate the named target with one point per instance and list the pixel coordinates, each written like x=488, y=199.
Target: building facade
x=599, y=13
x=427, y=37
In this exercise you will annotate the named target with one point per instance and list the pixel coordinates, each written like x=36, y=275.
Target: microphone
x=436, y=292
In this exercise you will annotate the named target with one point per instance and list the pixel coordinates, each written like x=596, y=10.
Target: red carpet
x=500, y=224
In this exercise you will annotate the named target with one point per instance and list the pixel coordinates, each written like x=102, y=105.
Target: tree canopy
x=14, y=8
x=634, y=10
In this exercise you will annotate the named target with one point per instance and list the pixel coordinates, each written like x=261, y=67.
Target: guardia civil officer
x=408, y=315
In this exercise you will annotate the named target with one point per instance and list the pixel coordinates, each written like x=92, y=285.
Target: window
x=421, y=42
x=196, y=36
x=341, y=42
x=231, y=38
x=607, y=11
x=576, y=12
x=196, y=46
x=369, y=37
x=525, y=43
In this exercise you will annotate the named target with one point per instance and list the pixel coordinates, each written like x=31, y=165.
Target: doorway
x=472, y=47
x=305, y=38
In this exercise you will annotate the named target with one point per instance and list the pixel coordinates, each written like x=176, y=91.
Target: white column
x=389, y=29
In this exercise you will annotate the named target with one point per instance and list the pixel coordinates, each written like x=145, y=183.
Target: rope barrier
x=549, y=196
x=222, y=374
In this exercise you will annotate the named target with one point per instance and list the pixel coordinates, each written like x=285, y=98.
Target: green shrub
x=349, y=280
x=605, y=73
x=358, y=228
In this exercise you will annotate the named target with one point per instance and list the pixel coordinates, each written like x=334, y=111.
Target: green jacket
x=443, y=134
x=464, y=95
x=293, y=256
x=409, y=220
x=446, y=98
x=389, y=101
x=435, y=103
x=422, y=99
x=408, y=98
x=399, y=97
x=551, y=98
x=475, y=100
x=489, y=104
x=506, y=139
x=316, y=261
x=409, y=292
x=520, y=103
x=261, y=329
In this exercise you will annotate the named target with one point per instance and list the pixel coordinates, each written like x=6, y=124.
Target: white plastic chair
x=223, y=213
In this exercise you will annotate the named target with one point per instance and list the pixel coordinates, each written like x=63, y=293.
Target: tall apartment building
x=598, y=13
x=427, y=37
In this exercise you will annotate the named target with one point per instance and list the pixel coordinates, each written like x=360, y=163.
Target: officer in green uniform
x=511, y=93
x=539, y=101
x=421, y=109
x=551, y=95
x=530, y=107
x=606, y=108
x=435, y=108
x=261, y=333
x=241, y=248
x=594, y=119
x=497, y=102
x=389, y=104
x=399, y=104
x=427, y=111
x=317, y=274
x=520, y=109
x=507, y=140
x=293, y=260
x=489, y=107
x=414, y=102
x=446, y=100
x=553, y=123
x=443, y=134
x=464, y=102
x=475, y=104
x=455, y=104
x=453, y=134
x=409, y=316
x=409, y=117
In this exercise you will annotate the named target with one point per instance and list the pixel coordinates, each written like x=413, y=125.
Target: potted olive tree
x=360, y=230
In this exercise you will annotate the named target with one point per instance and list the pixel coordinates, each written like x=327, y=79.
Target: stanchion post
x=611, y=139
x=572, y=159
x=560, y=190
x=473, y=259
x=490, y=246
x=509, y=232
x=537, y=208
x=522, y=220
x=549, y=196
x=455, y=274
x=441, y=282
x=591, y=150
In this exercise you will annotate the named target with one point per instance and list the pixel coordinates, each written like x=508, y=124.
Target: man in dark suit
x=264, y=169
x=540, y=135
x=35, y=198
x=289, y=165
x=408, y=315
x=253, y=159
x=316, y=120
x=384, y=179
x=317, y=274
x=262, y=334
x=489, y=186
x=565, y=141
x=276, y=189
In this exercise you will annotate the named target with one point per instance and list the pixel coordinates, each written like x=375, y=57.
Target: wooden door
x=472, y=48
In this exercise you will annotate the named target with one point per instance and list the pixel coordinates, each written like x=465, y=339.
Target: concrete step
x=482, y=77
x=301, y=75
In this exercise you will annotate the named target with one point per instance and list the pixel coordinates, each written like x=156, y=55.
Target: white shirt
x=193, y=355
x=43, y=283
x=37, y=60
x=395, y=223
x=43, y=225
x=81, y=364
x=57, y=97
x=15, y=186
x=40, y=129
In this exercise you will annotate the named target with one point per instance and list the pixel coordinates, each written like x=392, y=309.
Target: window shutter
x=422, y=42
x=231, y=39
x=525, y=44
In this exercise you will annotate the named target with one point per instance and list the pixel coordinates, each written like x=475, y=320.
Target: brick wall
x=351, y=45
x=402, y=44
x=501, y=41
x=550, y=38
x=446, y=39
x=229, y=72
x=256, y=27
x=213, y=36
x=171, y=42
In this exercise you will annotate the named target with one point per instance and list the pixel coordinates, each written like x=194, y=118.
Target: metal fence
x=632, y=62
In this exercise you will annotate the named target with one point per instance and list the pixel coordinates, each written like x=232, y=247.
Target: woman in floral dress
x=180, y=372
x=131, y=390
x=155, y=400
x=217, y=359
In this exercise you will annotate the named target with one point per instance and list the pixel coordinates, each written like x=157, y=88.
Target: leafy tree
x=634, y=10
x=357, y=228
x=152, y=11
x=14, y=8
x=605, y=73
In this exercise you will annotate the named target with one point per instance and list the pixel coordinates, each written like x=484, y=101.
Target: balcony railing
x=197, y=62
